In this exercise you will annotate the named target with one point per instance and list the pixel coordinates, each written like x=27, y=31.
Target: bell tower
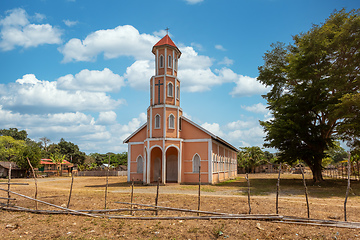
x=164, y=111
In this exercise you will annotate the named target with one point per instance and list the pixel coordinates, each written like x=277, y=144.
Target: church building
x=169, y=146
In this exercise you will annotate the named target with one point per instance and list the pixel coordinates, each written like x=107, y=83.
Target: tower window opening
x=171, y=121
x=157, y=121
x=161, y=61
x=169, y=61
x=170, y=90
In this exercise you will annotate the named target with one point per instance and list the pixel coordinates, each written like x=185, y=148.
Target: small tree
x=58, y=159
x=250, y=157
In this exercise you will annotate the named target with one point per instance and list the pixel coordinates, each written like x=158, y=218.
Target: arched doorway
x=171, y=165
x=156, y=168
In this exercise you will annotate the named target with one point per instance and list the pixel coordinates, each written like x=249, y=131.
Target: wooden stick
x=244, y=217
x=132, y=194
x=248, y=182
x=34, y=176
x=348, y=185
x=107, y=181
x=157, y=196
x=306, y=194
x=4, y=183
x=277, y=191
x=7, y=199
x=176, y=209
x=9, y=179
x=71, y=186
x=199, y=189
x=50, y=204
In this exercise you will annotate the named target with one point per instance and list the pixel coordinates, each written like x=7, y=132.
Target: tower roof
x=165, y=41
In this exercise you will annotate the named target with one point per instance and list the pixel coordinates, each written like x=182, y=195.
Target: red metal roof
x=48, y=161
x=165, y=41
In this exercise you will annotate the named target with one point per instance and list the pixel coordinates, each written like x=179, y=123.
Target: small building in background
x=50, y=168
x=16, y=171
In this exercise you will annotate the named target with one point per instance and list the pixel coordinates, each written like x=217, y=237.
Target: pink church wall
x=189, y=131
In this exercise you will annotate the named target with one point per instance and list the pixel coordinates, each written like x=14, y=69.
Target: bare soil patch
x=326, y=202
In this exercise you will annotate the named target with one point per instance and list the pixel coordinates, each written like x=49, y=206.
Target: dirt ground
x=89, y=193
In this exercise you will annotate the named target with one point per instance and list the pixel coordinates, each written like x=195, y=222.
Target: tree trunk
x=316, y=171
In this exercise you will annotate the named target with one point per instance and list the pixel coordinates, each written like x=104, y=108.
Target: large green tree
x=14, y=133
x=308, y=79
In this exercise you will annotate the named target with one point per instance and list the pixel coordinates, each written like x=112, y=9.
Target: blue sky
x=80, y=70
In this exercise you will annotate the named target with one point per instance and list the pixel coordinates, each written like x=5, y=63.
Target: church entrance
x=156, y=168
x=172, y=165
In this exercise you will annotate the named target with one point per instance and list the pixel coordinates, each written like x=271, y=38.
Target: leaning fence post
x=9, y=179
x=34, y=175
x=71, y=186
x=348, y=186
x=277, y=191
x=248, y=182
x=306, y=193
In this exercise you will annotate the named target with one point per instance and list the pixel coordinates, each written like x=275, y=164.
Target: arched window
x=157, y=121
x=171, y=121
x=170, y=90
x=177, y=92
x=139, y=162
x=161, y=61
x=176, y=64
x=196, y=163
x=169, y=61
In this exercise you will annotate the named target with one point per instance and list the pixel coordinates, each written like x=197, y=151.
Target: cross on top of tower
x=167, y=30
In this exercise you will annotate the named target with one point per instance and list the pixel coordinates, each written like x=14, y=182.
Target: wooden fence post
x=34, y=175
x=71, y=186
x=157, y=196
x=248, y=182
x=306, y=194
x=277, y=191
x=9, y=180
x=132, y=193
x=199, y=189
x=107, y=180
x=348, y=185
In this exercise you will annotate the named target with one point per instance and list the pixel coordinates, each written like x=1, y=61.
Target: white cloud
x=139, y=73
x=120, y=41
x=16, y=30
x=191, y=60
x=194, y=1
x=106, y=118
x=238, y=133
x=226, y=61
x=39, y=17
x=70, y=23
x=247, y=86
x=213, y=128
x=256, y=108
x=198, y=46
x=32, y=95
x=220, y=47
x=93, y=81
